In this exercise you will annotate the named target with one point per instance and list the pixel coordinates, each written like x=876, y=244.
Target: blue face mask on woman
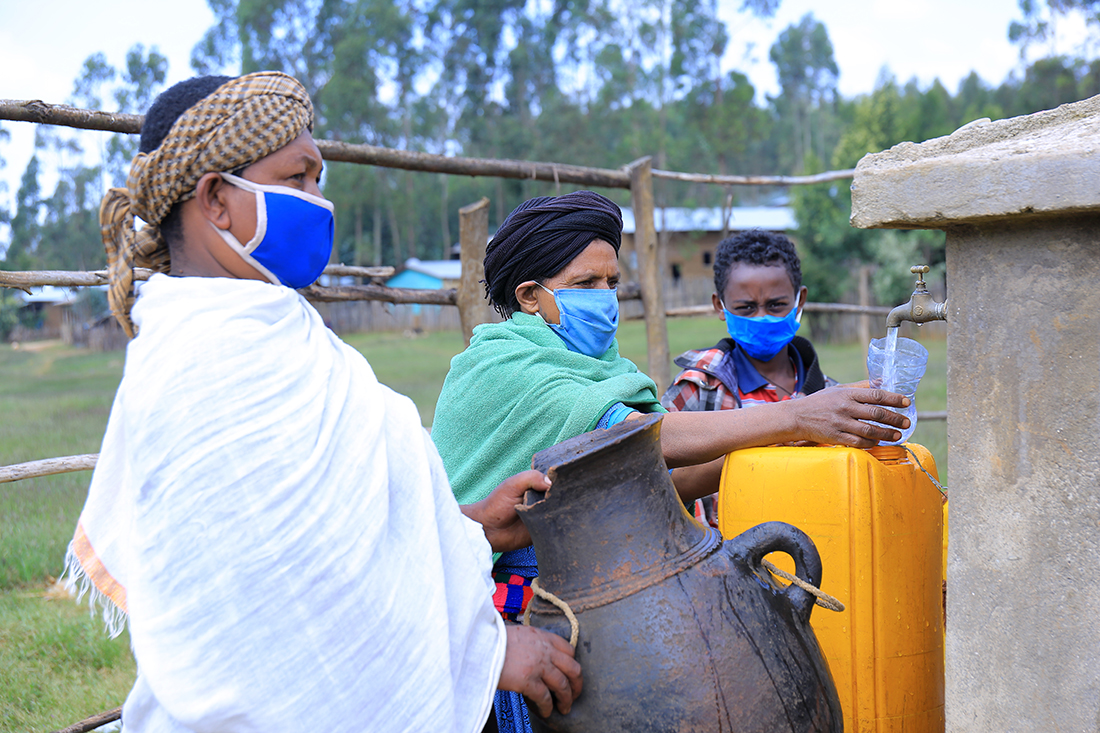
x=765, y=336
x=294, y=233
x=588, y=319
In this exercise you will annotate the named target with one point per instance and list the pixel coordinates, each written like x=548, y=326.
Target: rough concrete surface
x=1040, y=164
x=1023, y=617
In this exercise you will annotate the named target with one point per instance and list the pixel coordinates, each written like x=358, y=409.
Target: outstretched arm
x=834, y=416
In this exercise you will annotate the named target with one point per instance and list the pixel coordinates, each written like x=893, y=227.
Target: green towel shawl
x=516, y=390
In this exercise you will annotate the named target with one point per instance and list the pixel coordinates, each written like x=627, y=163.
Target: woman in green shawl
x=552, y=371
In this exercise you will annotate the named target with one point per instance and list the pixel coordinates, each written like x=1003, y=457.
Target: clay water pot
x=679, y=631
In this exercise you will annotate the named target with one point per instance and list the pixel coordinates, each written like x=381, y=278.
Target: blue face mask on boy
x=294, y=233
x=588, y=319
x=765, y=336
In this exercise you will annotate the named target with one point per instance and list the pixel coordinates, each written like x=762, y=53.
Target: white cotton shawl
x=279, y=531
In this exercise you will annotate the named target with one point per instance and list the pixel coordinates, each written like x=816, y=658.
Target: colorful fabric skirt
x=513, y=574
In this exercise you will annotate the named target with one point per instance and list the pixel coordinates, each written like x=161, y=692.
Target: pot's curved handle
x=752, y=545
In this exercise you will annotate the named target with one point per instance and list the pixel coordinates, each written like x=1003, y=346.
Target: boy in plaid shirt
x=759, y=292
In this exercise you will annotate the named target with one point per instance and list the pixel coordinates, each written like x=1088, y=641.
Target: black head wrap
x=541, y=237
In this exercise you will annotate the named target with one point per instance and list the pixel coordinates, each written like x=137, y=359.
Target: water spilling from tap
x=897, y=365
x=890, y=360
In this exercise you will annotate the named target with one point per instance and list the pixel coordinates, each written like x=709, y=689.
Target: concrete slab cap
x=1042, y=164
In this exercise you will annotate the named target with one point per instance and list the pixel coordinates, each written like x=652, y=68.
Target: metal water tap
x=921, y=308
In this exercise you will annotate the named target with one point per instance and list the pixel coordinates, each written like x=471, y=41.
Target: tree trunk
x=410, y=224
x=445, y=217
x=376, y=233
x=358, y=259
x=395, y=231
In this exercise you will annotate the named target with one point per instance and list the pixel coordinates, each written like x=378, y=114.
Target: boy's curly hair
x=755, y=247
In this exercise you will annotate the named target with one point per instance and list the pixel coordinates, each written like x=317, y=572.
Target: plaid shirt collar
x=747, y=376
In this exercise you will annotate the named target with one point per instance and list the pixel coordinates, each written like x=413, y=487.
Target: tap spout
x=921, y=308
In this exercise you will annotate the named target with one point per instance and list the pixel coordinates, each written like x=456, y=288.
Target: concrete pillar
x=1020, y=202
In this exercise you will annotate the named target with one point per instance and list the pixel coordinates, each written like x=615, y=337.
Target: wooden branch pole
x=755, y=180
x=316, y=293
x=61, y=278
x=33, y=110
x=473, y=235
x=865, y=300
x=53, y=114
x=93, y=722
x=47, y=467
x=77, y=278
x=364, y=272
x=456, y=165
x=339, y=293
x=650, y=276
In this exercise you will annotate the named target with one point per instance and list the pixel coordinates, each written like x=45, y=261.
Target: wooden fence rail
x=96, y=721
x=37, y=111
x=404, y=296
x=47, y=467
x=22, y=280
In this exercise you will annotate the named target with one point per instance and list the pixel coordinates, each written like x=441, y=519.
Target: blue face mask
x=588, y=319
x=765, y=336
x=294, y=233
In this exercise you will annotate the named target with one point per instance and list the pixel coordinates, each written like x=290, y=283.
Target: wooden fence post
x=865, y=300
x=650, y=275
x=473, y=234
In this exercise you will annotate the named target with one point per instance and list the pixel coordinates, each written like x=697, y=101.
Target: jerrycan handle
x=752, y=545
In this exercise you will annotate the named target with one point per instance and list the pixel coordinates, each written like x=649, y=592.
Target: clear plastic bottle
x=897, y=365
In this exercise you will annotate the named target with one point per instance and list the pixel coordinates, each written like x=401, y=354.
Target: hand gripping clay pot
x=679, y=632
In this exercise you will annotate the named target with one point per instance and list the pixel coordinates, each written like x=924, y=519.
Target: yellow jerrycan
x=877, y=521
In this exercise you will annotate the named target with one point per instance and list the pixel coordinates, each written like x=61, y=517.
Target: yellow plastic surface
x=878, y=525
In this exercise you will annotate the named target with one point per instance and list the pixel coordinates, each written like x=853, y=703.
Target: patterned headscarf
x=243, y=120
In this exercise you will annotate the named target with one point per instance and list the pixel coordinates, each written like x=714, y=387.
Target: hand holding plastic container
x=897, y=365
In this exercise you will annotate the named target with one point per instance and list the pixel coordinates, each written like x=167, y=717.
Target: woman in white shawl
x=275, y=525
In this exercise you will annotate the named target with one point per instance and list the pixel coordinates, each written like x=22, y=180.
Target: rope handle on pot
x=574, y=627
x=821, y=598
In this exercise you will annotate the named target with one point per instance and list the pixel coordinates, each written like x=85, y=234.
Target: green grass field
x=56, y=664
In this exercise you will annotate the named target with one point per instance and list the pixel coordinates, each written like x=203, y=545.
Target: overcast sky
x=44, y=43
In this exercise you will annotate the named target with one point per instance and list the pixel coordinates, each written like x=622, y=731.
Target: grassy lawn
x=56, y=664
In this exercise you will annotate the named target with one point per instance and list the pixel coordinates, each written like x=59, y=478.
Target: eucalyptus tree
x=4, y=214
x=807, y=72
x=25, y=226
x=138, y=82
x=1040, y=20
x=976, y=100
x=375, y=57
x=253, y=35
x=60, y=230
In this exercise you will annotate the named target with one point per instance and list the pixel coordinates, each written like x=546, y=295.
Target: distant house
x=693, y=234
x=46, y=314
x=427, y=274
x=690, y=235
x=417, y=275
